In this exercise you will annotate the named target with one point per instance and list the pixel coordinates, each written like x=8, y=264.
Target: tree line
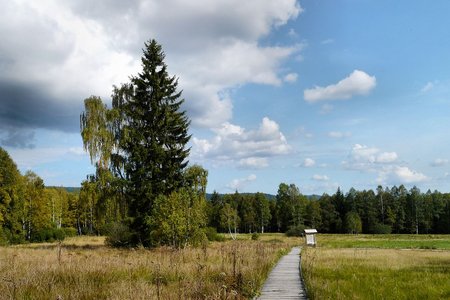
x=31, y=212
x=385, y=210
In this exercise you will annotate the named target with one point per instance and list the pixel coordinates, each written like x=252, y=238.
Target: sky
x=319, y=93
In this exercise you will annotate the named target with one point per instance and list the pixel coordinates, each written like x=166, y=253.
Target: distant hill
x=70, y=189
x=313, y=197
x=268, y=196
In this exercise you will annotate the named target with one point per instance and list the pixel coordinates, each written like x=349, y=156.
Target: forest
x=31, y=212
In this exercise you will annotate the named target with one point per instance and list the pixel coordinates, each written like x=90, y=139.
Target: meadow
x=378, y=267
x=340, y=267
x=84, y=268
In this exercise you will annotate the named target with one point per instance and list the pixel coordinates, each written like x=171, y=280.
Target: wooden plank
x=284, y=281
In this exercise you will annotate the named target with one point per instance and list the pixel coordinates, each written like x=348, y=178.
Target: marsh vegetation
x=378, y=266
x=84, y=268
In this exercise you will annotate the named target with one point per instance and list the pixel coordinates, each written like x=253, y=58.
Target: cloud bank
x=251, y=147
x=386, y=164
x=54, y=54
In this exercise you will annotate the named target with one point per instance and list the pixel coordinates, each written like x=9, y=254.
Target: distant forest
x=385, y=210
x=29, y=211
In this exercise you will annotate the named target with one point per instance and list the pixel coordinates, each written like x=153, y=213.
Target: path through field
x=284, y=281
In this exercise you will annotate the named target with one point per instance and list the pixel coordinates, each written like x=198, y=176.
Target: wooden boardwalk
x=284, y=281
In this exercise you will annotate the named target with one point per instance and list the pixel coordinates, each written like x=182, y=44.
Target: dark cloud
x=25, y=108
x=53, y=56
x=18, y=138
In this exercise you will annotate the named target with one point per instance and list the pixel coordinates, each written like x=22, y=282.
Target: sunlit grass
x=83, y=268
x=364, y=270
x=390, y=241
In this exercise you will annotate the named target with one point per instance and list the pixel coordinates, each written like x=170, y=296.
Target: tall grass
x=334, y=272
x=83, y=268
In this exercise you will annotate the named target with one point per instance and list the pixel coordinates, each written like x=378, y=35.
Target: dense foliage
x=389, y=210
x=139, y=148
x=31, y=212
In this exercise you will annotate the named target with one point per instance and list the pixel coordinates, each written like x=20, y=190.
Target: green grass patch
x=384, y=241
x=378, y=267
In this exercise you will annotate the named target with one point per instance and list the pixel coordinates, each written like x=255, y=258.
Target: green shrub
x=48, y=235
x=382, y=229
x=212, y=235
x=15, y=238
x=118, y=235
x=59, y=234
x=70, y=231
x=296, y=230
x=255, y=236
x=3, y=238
x=198, y=238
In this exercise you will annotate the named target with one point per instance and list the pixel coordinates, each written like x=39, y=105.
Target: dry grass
x=376, y=273
x=83, y=268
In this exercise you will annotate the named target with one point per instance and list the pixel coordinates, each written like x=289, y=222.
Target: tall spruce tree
x=150, y=133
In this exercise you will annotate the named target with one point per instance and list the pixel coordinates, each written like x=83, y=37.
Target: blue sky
x=320, y=93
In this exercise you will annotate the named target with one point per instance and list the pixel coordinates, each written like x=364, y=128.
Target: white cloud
x=439, y=162
x=254, y=163
x=218, y=48
x=364, y=154
x=385, y=164
x=308, y=162
x=77, y=151
x=212, y=46
x=357, y=83
x=386, y=157
x=291, y=77
x=241, y=183
x=338, y=134
x=400, y=175
x=320, y=187
x=233, y=142
x=30, y=158
x=427, y=87
x=320, y=177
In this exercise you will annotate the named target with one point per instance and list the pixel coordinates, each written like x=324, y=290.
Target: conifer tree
x=150, y=132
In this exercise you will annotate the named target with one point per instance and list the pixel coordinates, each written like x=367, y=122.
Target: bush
x=295, y=230
x=59, y=234
x=118, y=235
x=48, y=235
x=70, y=231
x=212, y=235
x=382, y=229
x=12, y=238
x=198, y=238
x=255, y=236
x=3, y=238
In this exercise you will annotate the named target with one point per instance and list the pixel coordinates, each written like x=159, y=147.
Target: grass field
x=83, y=268
x=378, y=267
x=384, y=241
x=341, y=267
